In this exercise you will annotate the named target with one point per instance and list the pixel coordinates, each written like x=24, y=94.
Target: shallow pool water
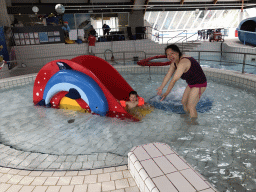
x=221, y=145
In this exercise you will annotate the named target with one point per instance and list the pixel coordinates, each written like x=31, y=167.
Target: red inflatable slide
x=108, y=78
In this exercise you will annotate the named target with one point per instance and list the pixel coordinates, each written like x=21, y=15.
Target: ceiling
x=107, y=6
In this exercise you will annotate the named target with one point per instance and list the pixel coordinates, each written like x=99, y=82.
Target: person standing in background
x=91, y=43
x=106, y=29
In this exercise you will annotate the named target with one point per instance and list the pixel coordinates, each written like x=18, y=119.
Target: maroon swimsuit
x=195, y=76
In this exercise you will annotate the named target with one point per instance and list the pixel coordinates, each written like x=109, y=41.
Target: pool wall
x=239, y=57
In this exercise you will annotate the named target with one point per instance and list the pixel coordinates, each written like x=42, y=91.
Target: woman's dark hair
x=133, y=93
x=174, y=48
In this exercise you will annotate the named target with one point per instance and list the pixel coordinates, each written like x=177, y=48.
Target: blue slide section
x=90, y=92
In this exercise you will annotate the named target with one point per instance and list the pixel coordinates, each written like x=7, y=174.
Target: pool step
x=156, y=167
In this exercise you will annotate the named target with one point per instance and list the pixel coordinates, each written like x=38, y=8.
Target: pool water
x=220, y=145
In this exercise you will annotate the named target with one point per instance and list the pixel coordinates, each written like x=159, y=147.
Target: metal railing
x=227, y=62
x=178, y=36
x=182, y=43
x=151, y=33
x=154, y=33
x=125, y=56
x=161, y=34
x=115, y=56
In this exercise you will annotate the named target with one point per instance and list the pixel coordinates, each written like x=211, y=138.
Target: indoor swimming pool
x=220, y=145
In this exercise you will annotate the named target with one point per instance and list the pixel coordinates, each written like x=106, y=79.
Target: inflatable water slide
x=85, y=83
x=247, y=31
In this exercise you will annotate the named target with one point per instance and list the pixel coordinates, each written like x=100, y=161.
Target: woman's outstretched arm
x=166, y=79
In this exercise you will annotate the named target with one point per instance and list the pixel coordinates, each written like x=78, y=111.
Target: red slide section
x=146, y=62
x=111, y=82
x=107, y=75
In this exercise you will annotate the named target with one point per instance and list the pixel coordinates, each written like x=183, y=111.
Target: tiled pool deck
x=114, y=179
x=25, y=171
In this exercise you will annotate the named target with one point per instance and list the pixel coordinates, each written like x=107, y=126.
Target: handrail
x=146, y=54
x=186, y=41
x=177, y=36
x=187, y=38
x=167, y=31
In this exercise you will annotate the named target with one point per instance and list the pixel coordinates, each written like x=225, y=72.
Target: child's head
x=133, y=96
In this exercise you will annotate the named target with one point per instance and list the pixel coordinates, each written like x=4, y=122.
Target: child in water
x=136, y=106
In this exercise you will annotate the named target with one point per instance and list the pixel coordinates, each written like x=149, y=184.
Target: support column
x=241, y=16
x=136, y=20
x=8, y=3
x=4, y=17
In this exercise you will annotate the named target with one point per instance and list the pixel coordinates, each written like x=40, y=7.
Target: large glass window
x=168, y=20
x=161, y=19
x=112, y=20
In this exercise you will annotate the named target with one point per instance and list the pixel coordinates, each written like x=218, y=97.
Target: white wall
x=38, y=55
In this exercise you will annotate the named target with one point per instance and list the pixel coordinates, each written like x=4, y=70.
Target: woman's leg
x=193, y=99
x=184, y=100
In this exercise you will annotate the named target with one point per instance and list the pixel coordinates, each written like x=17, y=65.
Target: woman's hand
x=164, y=96
x=159, y=91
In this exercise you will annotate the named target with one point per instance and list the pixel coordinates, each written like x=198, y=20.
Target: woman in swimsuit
x=188, y=69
